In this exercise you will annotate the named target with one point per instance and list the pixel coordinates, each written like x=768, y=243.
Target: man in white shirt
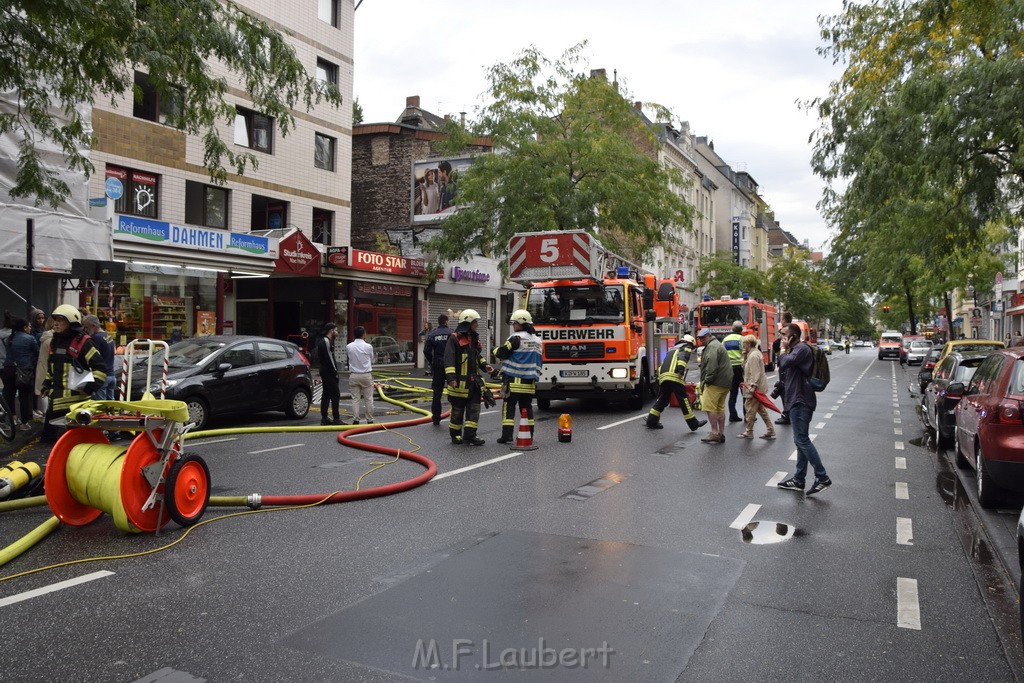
x=360, y=381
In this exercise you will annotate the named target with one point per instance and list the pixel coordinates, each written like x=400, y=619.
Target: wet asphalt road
x=624, y=547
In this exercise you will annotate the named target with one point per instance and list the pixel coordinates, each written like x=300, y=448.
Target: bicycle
x=7, y=430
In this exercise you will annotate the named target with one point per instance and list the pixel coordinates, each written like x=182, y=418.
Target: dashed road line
x=278, y=448
x=53, y=587
x=902, y=492
x=908, y=610
x=904, y=531
x=899, y=445
x=477, y=465
x=901, y=462
x=745, y=516
x=776, y=478
x=622, y=422
x=820, y=425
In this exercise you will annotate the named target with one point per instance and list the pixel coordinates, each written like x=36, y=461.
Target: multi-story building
x=736, y=209
x=242, y=257
x=681, y=256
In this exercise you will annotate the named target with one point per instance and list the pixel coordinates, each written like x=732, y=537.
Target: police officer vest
x=525, y=361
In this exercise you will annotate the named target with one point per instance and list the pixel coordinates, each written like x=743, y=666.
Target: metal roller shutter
x=441, y=303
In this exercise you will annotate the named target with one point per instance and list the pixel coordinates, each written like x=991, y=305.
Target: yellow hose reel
x=15, y=475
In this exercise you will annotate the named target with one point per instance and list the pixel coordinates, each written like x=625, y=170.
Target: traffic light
x=885, y=309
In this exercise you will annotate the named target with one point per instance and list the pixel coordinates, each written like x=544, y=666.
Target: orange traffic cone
x=524, y=441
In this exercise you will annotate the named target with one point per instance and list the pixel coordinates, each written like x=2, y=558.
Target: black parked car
x=227, y=374
x=928, y=367
x=939, y=402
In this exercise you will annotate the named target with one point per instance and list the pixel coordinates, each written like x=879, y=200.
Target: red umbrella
x=765, y=401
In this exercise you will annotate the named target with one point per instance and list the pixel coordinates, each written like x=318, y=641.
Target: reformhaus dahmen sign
x=135, y=229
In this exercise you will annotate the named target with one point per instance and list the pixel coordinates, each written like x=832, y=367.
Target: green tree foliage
x=720, y=275
x=570, y=153
x=802, y=288
x=59, y=55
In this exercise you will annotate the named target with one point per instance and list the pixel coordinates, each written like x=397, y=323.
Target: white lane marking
x=834, y=408
x=897, y=421
x=53, y=587
x=908, y=611
x=813, y=437
x=479, y=464
x=622, y=422
x=793, y=456
x=904, y=531
x=279, y=448
x=207, y=443
x=899, y=445
x=895, y=413
x=776, y=478
x=897, y=431
x=745, y=516
x=820, y=425
x=901, y=462
x=902, y=492
x=828, y=416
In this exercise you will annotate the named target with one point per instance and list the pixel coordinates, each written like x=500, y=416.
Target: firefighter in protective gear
x=733, y=344
x=70, y=348
x=522, y=360
x=463, y=365
x=671, y=380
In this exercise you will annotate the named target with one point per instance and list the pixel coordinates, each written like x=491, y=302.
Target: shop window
x=327, y=11
x=206, y=205
x=140, y=191
x=149, y=105
x=268, y=213
x=326, y=72
x=323, y=226
x=323, y=152
x=254, y=130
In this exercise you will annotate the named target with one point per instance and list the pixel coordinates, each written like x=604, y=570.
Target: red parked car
x=990, y=426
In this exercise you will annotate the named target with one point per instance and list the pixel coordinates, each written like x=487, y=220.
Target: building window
x=323, y=226
x=206, y=205
x=323, y=153
x=254, y=131
x=327, y=11
x=150, y=106
x=268, y=213
x=327, y=72
x=140, y=191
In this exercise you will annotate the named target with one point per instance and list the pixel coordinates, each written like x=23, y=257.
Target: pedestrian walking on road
x=521, y=368
x=795, y=367
x=434, y=345
x=672, y=382
x=360, y=381
x=754, y=378
x=787, y=319
x=733, y=346
x=463, y=365
x=330, y=396
x=716, y=380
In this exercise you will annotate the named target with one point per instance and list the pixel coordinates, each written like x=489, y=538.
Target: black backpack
x=819, y=376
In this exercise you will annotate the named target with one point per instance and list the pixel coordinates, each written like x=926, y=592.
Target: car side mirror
x=222, y=368
x=956, y=388
x=650, y=316
x=925, y=375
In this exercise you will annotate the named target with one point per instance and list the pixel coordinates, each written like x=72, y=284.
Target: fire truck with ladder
x=604, y=324
x=759, y=319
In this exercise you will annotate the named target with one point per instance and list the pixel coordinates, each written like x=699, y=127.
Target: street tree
x=571, y=152
x=801, y=287
x=63, y=55
x=719, y=275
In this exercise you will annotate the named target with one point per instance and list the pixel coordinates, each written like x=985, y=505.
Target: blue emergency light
x=745, y=296
x=622, y=271
x=707, y=297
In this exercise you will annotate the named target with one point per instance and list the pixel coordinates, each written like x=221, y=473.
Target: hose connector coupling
x=254, y=501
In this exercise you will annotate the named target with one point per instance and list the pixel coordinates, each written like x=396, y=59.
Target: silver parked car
x=918, y=351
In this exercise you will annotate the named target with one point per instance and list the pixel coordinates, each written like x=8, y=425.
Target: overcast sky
x=734, y=69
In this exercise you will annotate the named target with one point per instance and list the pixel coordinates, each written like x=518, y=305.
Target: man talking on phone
x=795, y=365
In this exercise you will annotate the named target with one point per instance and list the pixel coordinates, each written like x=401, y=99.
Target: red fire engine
x=758, y=318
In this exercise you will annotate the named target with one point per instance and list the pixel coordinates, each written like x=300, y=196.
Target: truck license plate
x=574, y=373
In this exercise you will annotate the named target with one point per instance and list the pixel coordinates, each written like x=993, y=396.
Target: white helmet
x=68, y=312
x=522, y=317
x=688, y=339
x=468, y=316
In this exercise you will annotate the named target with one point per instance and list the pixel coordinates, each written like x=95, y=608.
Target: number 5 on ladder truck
x=595, y=313
x=759, y=319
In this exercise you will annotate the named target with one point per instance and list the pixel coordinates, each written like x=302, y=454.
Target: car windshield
x=891, y=339
x=577, y=304
x=921, y=345
x=976, y=346
x=723, y=314
x=188, y=354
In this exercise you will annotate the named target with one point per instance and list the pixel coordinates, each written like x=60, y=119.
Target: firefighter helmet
x=688, y=339
x=468, y=316
x=68, y=312
x=522, y=317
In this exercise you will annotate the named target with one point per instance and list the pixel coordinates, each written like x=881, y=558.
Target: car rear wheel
x=988, y=492
x=544, y=403
x=297, y=406
x=198, y=412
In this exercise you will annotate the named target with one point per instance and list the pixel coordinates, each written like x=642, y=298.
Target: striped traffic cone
x=524, y=440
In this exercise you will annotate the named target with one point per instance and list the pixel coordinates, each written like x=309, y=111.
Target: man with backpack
x=797, y=370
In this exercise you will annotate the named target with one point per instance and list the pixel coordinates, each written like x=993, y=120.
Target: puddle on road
x=762, y=533
x=949, y=487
